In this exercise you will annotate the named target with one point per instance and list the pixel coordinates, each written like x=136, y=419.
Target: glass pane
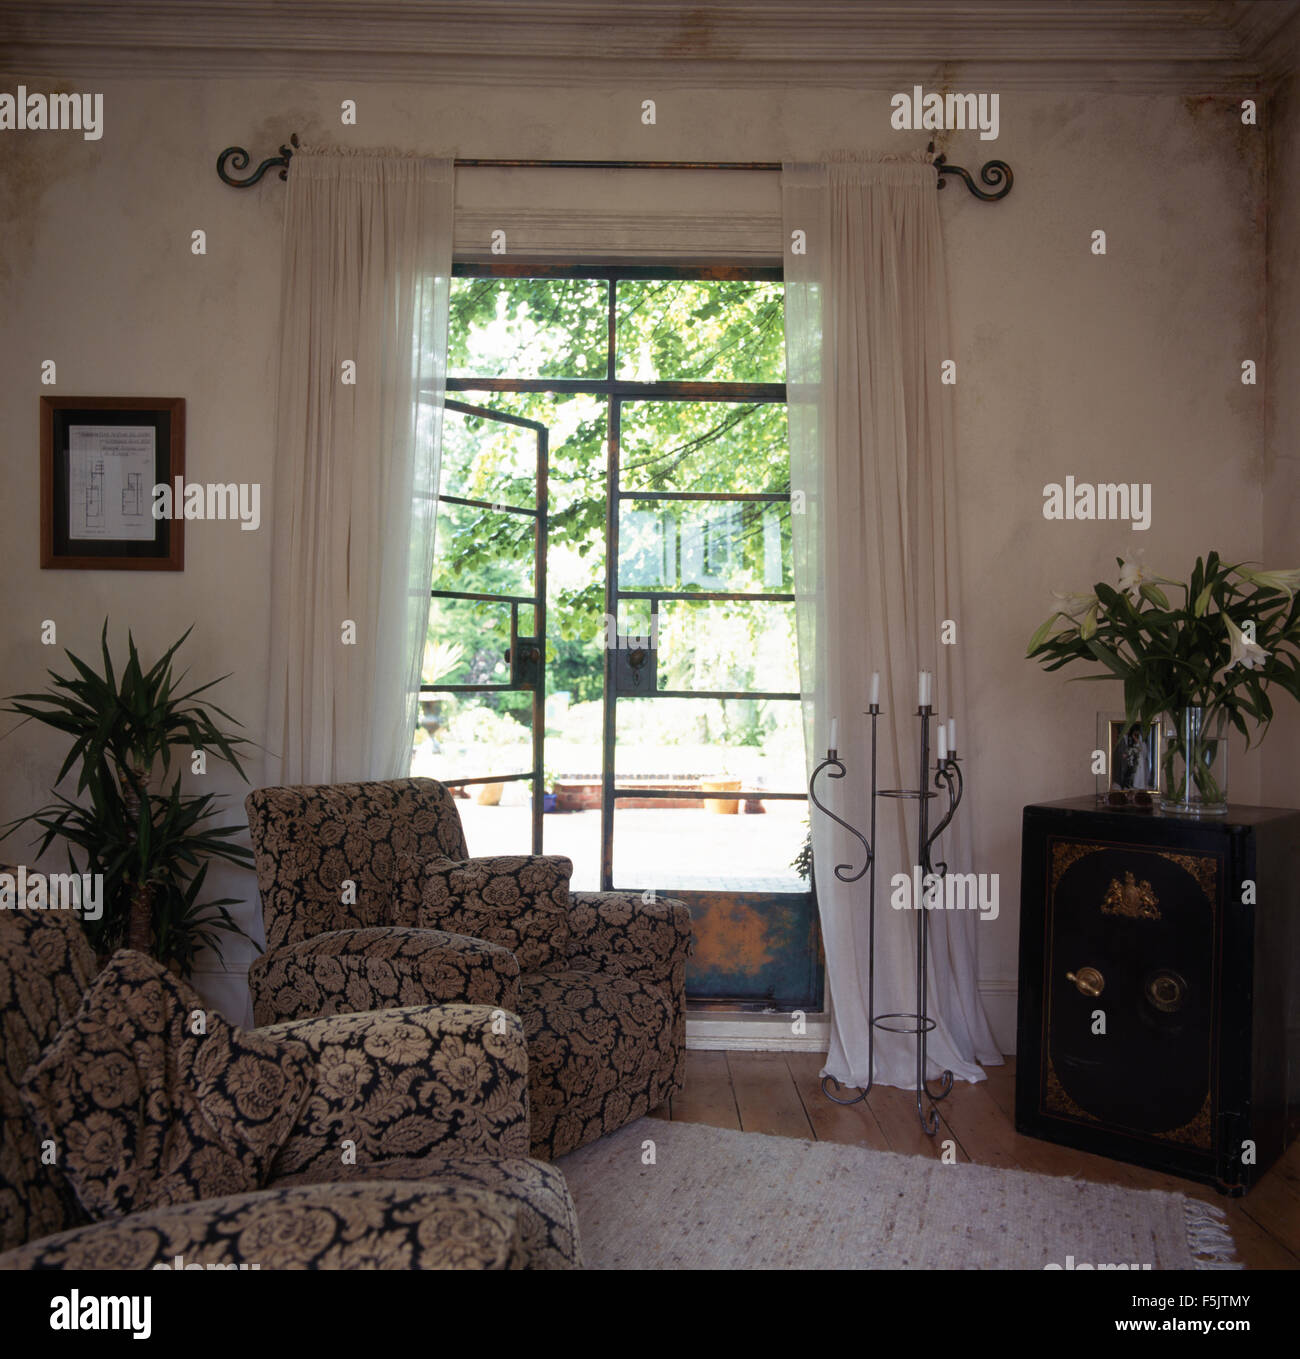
x=704, y=446
x=490, y=460
x=467, y=642
x=746, y=845
x=757, y=744
x=468, y=736
x=484, y=551
x=528, y=327
x=725, y=546
x=700, y=330
x=727, y=645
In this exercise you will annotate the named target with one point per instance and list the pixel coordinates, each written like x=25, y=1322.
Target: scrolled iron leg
x=857, y=1099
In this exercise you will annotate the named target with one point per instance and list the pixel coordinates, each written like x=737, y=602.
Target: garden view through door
x=612, y=623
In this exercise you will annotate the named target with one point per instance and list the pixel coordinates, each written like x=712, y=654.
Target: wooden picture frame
x=101, y=457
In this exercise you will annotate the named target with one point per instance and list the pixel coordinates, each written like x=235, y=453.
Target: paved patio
x=667, y=849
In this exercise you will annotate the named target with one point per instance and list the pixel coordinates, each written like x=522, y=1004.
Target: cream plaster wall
x=1118, y=367
x=1281, y=780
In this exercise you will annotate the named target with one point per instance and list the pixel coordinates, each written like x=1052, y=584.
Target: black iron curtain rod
x=995, y=173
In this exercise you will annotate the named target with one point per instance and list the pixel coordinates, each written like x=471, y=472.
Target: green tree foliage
x=666, y=330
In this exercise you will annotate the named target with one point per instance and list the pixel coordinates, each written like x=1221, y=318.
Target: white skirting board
x=774, y=1033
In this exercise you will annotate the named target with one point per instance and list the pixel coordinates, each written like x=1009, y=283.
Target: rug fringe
x=1208, y=1237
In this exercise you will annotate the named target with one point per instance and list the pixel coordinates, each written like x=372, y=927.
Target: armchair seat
x=605, y=1022
x=378, y=968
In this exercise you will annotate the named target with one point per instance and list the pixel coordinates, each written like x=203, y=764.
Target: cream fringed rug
x=718, y=1199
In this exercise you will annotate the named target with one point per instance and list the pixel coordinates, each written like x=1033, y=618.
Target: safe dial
x=1166, y=990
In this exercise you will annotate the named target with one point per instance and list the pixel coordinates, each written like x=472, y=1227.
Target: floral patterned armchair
x=430, y=1102
x=605, y=1019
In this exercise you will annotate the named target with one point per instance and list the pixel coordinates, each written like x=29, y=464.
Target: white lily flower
x=1073, y=605
x=1249, y=654
x=1131, y=577
x=1286, y=581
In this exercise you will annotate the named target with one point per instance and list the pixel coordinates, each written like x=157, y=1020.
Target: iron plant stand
x=948, y=777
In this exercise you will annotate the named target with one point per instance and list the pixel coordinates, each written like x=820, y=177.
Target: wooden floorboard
x=766, y=1095
x=895, y=1111
x=708, y=1096
x=780, y=1094
x=851, y=1125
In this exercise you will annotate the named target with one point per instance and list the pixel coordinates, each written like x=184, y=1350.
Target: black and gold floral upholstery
x=420, y=1223
x=345, y=971
x=604, y=1013
x=408, y=1151
x=520, y=901
x=150, y=1099
x=46, y=964
x=312, y=842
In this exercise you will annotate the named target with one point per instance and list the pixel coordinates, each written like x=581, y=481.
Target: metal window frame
x=616, y=392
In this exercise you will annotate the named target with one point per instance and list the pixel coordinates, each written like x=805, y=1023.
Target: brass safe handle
x=1089, y=981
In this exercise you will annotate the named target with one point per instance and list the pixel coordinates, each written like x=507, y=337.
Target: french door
x=676, y=757
x=510, y=511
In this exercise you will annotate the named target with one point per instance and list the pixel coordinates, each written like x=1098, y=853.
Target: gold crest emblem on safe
x=1135, y=899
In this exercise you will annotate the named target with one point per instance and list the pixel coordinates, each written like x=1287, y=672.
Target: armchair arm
x=380, y=967
x=400, y=1084
x=384, y=1224
x=621, y=933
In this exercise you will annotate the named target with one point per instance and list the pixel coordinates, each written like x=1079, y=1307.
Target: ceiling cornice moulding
x=1206, y=46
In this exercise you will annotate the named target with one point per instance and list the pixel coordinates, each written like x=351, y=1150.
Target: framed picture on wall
x=101, y=457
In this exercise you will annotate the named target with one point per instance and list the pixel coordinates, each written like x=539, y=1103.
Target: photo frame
x=101, y=457
x=1130, y=773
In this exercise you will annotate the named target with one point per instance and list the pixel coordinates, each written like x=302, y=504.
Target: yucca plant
x=151, y=842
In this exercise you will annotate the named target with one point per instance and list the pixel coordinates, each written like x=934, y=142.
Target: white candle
x=943, y=743
x=952, y=733
x=923, y=690
x=835, y=733
x=875, y=686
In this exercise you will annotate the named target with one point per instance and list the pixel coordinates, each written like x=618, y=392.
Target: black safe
x=1159, y=1008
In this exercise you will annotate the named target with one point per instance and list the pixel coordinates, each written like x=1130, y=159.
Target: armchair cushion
x=151, y=1099
x=545, y=1217
x=419, y=1224
x=448, y=1080
x=520, y=901
x=380, y=968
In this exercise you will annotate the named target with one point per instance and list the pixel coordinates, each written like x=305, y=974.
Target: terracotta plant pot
x=721, y=806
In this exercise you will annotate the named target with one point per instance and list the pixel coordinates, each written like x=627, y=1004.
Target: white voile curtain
x=876, y=574
x=367, y=266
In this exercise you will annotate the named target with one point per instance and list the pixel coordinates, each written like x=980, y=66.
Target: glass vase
x=1195, y=762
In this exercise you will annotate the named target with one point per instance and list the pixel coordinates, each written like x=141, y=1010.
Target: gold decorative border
x=1196, y=1132
x=1065, y=856
x=1203, y=868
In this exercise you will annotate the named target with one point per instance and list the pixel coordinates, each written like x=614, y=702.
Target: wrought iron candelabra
x=948, y=778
